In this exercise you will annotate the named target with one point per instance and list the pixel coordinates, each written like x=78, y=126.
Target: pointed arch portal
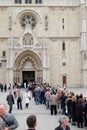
x=28, y=67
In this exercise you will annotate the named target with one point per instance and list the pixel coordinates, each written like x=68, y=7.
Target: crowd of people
x=57, y=100
x=62, y=101
x=9, y=122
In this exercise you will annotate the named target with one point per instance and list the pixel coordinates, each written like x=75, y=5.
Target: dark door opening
x=64, y=81
x=28, y=76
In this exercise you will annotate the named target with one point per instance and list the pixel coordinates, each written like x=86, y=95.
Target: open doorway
x=64, y=81
x=28, y=76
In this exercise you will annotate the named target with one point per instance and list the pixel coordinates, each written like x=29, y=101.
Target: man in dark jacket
x=63, y=121
x=10, y=100
x=79, y=113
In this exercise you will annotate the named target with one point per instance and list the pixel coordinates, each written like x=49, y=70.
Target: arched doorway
x=28, y=76
x=28, y=67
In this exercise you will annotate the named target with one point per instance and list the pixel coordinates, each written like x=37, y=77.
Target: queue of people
x=57, y=101
x=61, y=101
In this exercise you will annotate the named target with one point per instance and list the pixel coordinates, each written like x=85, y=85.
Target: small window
x=63, y=46
x=0, y=64
x=64, y=82
x=63, y=27
x=17, y=1
x=3, y=53
x=38, y=1
x=62, y=20
x=28, y=1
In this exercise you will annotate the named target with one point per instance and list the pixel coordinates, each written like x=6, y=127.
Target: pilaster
x=45, y=61
x=83, y=24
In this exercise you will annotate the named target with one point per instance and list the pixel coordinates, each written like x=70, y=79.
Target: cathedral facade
x=43, y=41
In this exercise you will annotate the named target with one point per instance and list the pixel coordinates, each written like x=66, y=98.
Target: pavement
x=45, y=121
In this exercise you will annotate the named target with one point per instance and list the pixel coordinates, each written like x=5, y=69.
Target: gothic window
x=17, y=1
x=63, y=27
x=3, y=53
x=63, y=46
x=28, y=19
x=63, y=23
x=64, y=81
x=38, y=1
x=28, y=1
x=28, y=39
x=62, y=20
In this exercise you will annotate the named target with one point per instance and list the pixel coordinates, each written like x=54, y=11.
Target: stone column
x=83, y=44
x=45, y=61
x=83, y=24
x=10, y=56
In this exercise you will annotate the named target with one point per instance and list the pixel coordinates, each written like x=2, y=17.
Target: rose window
x=28, y=19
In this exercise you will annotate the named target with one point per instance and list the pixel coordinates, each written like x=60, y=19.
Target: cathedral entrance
x=28, y=67
x=28, y=76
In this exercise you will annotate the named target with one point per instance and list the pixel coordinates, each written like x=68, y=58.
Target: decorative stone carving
x=46, y=22
x=28, y=65
x=28, y=39
x=28, y=62
x=10, y=23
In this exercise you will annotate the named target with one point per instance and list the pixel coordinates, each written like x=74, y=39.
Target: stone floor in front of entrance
x=45, y=120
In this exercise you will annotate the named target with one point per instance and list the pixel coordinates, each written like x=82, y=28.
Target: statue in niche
x=10, y=23
x=28, y=39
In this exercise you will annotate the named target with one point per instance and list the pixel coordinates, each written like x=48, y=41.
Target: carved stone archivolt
x=27, y=59
x=28, y=62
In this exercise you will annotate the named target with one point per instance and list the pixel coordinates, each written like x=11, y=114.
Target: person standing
x=47, y=96
x=63, y=123
x=53, y=103
x=63, y=102
x=1, y=86
x=19, y=99
x=7, y=120
x=5, y=88
x=31, y=122
x=85, y=114
x=27, y=98
x=15, y=92
x=79, y=113
x=10, y=100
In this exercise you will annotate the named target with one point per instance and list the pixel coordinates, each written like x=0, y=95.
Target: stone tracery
x=28, y=18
